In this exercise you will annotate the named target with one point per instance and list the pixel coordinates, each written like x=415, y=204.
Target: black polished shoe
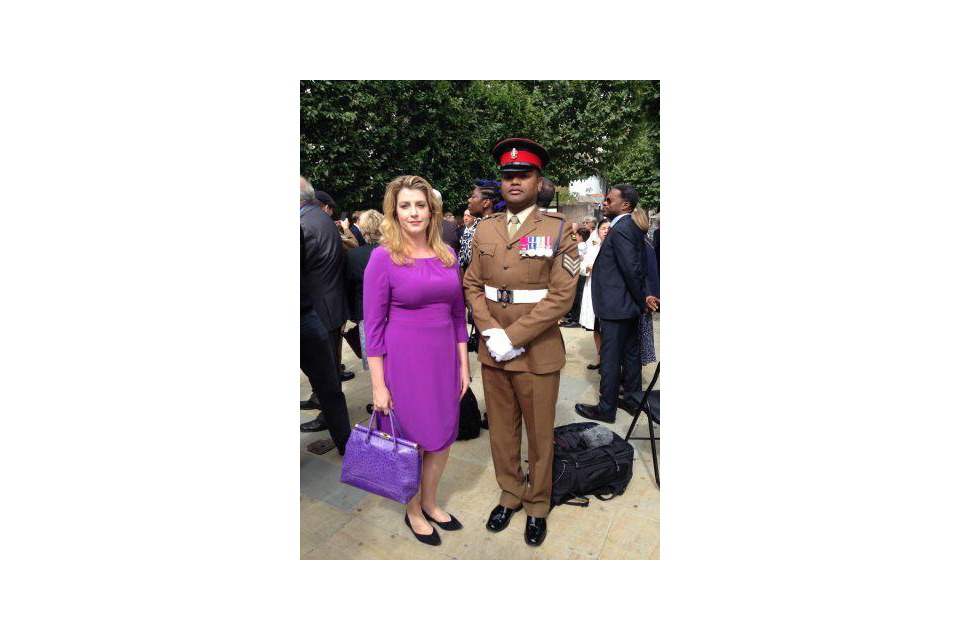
x=347, y=375
x=590, y=412
x=310, y=403
x=627, y=405
x=450, y=525
x=535, y=532
x=593, y=367
x=500, y=518
x=433, y=538
x=317, y=424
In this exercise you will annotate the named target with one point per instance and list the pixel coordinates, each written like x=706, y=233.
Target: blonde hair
x=639, y=216
x=392, y=237
x=369, y=224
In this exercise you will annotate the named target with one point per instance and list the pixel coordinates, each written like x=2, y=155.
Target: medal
x=532, y=251
x=549, y=248
x=524, y=244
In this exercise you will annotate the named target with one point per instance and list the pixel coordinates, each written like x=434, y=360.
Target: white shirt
x=617, y=219
x=520, y=216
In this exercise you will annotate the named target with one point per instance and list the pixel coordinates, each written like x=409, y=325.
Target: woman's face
x=602, y=231
x=475, y=202
x=413, y=211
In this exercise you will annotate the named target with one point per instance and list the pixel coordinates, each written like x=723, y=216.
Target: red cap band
x=522, y=156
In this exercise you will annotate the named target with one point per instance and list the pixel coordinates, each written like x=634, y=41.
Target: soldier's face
x=520, y=188
x=413, y=212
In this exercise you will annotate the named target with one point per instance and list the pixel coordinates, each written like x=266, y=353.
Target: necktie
x=514, y=225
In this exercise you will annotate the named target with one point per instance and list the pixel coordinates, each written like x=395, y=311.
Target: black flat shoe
x=590, y=412
x=535, y=532
x=432, y=539
x=370, y=409
x=452, y=525
x=310, y=403
x=593, y=367
x=317, y=424
x=347, y=375
x=500, y=518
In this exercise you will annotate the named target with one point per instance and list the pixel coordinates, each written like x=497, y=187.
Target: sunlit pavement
x=340, y=522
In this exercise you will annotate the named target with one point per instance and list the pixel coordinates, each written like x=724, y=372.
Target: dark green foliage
x=356, y=136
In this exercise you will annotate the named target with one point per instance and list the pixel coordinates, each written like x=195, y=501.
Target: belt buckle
x=504, y=296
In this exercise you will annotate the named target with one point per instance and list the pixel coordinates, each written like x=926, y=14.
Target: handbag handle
x=393, y=427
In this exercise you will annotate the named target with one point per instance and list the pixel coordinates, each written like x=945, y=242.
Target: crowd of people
x=411, y=279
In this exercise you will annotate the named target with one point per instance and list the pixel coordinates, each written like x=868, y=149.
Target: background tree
x=356, y=136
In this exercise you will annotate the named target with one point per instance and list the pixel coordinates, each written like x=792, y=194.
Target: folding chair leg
x=636, y=417
x=653, y=448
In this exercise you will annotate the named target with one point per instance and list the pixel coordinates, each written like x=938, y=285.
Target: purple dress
x=414, y=316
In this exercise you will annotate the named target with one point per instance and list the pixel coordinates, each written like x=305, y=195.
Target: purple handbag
x=377, y=462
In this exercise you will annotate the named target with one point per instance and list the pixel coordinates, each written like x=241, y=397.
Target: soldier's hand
x=497, y=343
x=513, y=353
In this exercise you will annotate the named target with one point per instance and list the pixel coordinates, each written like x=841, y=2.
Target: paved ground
x=340, y=522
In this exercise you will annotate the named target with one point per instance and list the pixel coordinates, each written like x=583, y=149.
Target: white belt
x=518, y=296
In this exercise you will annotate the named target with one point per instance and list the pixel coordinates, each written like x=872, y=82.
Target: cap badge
x=513, y=154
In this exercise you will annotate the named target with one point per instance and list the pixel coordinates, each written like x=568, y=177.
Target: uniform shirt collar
x=523, y=214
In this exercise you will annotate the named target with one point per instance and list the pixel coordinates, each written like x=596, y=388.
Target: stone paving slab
x=340, y=522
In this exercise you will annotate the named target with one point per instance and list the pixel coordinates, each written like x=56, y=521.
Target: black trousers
x=619, y=346
x=578, y=300
x=317, y=361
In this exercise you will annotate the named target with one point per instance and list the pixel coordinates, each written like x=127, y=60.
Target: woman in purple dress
x=416, y=338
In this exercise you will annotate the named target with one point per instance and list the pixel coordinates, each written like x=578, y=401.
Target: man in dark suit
x=323, y=310
x=328, y=205
x=656, y=244
x=619, y=297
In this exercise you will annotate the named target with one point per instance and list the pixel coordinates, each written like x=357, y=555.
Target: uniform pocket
x=487, y=253
x=536, y=270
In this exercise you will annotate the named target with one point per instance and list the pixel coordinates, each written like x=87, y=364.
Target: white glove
x=513, y=353
x=499, y=345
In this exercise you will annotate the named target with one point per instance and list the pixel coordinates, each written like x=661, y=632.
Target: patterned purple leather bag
x=377, y=462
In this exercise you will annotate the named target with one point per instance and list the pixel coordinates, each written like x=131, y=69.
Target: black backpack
x=589, y=459
x=469, y=417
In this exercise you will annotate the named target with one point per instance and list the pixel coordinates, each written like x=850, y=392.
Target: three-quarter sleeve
x=376, y=301
x=458, y=308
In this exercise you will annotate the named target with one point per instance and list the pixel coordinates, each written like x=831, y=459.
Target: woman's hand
x=653, y=304
x=464, y=381
x=382, y=400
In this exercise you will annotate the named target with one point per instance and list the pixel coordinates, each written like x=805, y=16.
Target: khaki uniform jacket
x=497, y=262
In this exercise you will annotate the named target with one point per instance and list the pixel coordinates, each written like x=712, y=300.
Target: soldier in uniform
x=521, y=280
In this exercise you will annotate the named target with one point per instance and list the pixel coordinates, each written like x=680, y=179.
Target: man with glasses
x=619, y=296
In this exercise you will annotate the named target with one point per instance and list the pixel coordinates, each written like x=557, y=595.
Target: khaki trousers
x=510, y=395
